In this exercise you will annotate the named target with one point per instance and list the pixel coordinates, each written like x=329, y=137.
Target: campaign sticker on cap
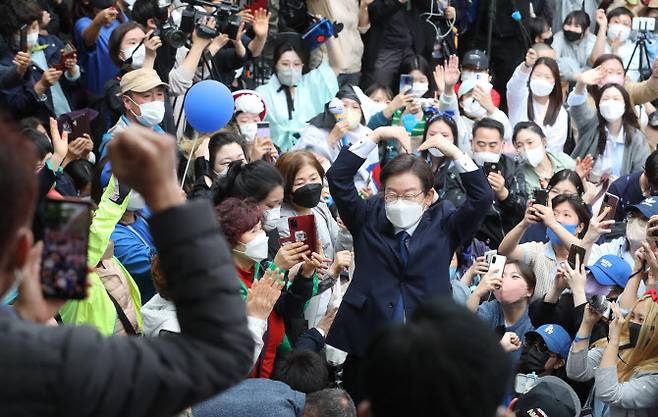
x=537, y=412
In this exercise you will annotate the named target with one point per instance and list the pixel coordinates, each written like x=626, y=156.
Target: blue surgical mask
x=453, y=273
x=571, y=228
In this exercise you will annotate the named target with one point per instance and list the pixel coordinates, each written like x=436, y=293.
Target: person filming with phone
x=403, y=238
x=504, y=176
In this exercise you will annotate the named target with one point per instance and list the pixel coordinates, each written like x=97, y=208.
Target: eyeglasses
x=393, y=197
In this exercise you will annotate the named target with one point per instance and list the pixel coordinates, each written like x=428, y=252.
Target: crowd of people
x=417, y=208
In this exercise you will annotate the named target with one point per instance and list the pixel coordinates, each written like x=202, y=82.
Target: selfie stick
x=189, y=159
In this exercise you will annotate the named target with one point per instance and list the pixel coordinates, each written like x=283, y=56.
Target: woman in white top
x=610, y=133
x=534, y=94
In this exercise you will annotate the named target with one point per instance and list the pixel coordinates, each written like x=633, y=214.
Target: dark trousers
x=353, y=380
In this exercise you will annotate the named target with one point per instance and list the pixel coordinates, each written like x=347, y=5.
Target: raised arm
x=510, y=245
x=103, y=18
x=351, y=206
x=599, y=45
x=213, y=350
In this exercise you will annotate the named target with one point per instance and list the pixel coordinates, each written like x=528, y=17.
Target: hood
x=159, y=314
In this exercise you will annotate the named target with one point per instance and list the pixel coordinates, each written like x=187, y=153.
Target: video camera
x=225, y=15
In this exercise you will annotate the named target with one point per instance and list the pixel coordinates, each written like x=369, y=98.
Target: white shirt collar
x=616, y=139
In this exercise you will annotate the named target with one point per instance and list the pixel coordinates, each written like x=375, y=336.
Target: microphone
x=337, y=108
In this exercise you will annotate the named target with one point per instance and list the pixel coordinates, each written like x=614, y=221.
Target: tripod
x=641, y=48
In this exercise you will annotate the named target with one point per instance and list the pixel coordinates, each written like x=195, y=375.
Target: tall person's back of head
x=445, y=361
x=18, y=186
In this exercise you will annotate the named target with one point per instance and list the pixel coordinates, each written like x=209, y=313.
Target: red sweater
x=272, y=338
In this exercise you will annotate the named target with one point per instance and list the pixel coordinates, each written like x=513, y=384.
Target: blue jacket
x=22, y=100
x=369, y=301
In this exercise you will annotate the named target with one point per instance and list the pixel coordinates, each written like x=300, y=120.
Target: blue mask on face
x=571, y=228
x=453, y=273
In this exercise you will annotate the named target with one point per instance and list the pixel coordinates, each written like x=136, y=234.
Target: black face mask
x=307, y=196
x=571, y=36
x=532, y=360
x=549, y=41
x=633, y=334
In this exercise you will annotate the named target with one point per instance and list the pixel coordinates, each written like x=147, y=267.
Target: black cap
x=476, y=59
x=550, y=397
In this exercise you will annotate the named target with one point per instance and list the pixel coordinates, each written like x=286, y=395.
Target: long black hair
x=628, y=119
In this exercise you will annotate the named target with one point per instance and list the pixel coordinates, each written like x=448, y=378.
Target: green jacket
x=97, y=309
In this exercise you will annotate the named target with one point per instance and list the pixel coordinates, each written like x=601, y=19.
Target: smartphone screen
x=66, y=237
x=541, y=197
x=610, y=200
x=23, y=38
x=406, y=82
x=498, y=263
x=263, y=130
x=574, y=251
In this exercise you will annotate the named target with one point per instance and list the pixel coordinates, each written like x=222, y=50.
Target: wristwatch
x=42, y=98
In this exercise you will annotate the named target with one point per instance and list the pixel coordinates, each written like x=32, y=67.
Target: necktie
x=403, y=241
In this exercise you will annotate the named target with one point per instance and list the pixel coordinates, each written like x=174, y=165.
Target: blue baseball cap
x=556, y=338
x=611, y=270
x=648, y=207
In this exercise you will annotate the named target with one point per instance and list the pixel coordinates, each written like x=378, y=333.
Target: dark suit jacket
x=370, y=299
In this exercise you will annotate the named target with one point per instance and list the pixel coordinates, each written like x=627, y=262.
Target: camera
x=601, y=305
x=644, y=24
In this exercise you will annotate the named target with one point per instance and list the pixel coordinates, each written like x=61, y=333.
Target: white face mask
x=469, y=75
x=534, y=156
x=249, y=130
x=33, y=39
x=419, y=89
x=474, y=110
x=377, y=107
x=612, y=110
x=636, y=232
x=135, y=201
x=256, y=250
x=541, y=87
x=152, y=113
x=618, y=30
x=481, y=157
x=289, y=76
x=404, y=213
x=138, y=54
x=271, y=218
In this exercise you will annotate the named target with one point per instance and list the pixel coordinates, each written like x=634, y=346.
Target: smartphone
x=574, y=251
x=498, y=262
x=64, y=260
x=490, y=254
x=23, y=38
x=255, y=5
x=610, y=200
x=263, y=130
x=491, y=167
x=77, y=126
x=302, y=229
x=69, y=52
x=601, y=305
x=541, y=197
x=525, y=382
x=406, y=82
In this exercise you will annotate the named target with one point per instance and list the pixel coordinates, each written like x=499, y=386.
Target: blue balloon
x=208, y=106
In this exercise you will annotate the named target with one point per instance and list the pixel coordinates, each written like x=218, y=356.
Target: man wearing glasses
x=404, y=239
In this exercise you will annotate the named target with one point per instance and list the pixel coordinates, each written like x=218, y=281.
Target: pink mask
x=511, y=291
x=612, y=79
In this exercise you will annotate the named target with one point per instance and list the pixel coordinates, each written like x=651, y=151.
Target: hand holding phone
x=497, y=264
x=64, y=259
x=23, y=39
x=609, y=201
x=302, y=229
x=490, y=167
x=406, y=83
x=576, y=251
x=541, y=197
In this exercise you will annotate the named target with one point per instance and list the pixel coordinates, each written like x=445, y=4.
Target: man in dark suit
x=404, y=239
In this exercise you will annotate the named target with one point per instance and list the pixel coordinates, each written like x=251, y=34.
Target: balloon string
x=189, y=159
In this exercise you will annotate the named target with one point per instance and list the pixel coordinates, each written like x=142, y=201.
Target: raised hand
x=451, y=72
x=398, y=133
x=264, y=293
x=343, y=260
x=60, y=144
x=261, y=22
x=530, y=58
x=510, y=342
x=584, y=166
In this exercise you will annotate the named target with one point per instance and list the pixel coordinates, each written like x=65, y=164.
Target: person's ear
x=150, y=24
x=430, y=198
x=364, y=409
x=559, y=364
x=24, y=242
